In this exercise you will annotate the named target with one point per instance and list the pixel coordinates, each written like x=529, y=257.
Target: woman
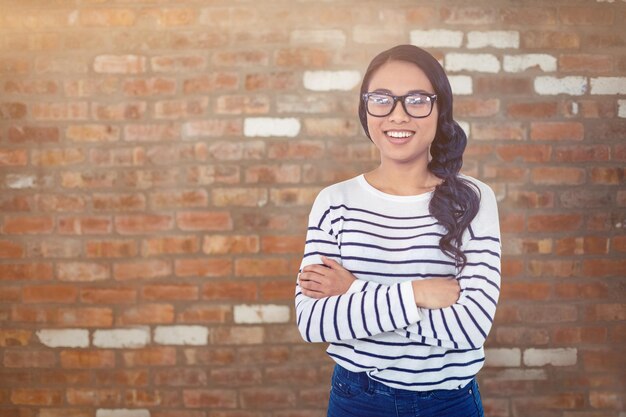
x=401, y=271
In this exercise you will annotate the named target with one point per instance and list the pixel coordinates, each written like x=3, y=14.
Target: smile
x=399, y=135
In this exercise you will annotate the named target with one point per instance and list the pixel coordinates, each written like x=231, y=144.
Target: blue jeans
x=356, y=395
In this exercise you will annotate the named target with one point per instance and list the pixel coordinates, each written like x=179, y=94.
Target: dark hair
x=455, y=201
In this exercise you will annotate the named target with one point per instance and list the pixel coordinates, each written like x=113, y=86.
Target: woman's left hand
x=319, y=281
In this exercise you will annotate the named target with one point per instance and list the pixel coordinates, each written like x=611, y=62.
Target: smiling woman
x=401, y=271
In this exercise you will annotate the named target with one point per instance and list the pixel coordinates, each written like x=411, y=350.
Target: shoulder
x=335, y=194
x=484, y=189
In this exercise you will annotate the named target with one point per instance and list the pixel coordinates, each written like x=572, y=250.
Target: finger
x=331, y=263
x=310, y=277
x=312, y=294
x=318, y=269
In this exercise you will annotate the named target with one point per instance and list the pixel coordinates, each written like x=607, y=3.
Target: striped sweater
x=387, y=241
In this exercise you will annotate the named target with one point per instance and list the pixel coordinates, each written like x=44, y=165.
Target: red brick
x=60, y=111
x=105, y=397
x=557, y=175
x=517, y=335
x=108, y=295
x=241, y=58
x=559, y=268
x=603, y=361
x=29, y=359
x=592, y=245
x=557, y=131
x=82, y=271
x=526, y=153
x=504, y=86
x=509, y=174
x=142, y=223
x=209, y=83
x=538, y=15
x=115, y=378
x=204, y=221
x=59, y=203
x=604, y=267
x=21, y=134
x=618, y=244
x=250, y=267
x=550, y=40
x=70, y=317
x=546, y=313
x=586, y=63
x=26, y=271
x=28, y=224
x=586, y=291
x=581, y=153
x=122, y=248
x=210, y=398
x=152, y=356
x=16, y=203
x=149, y=87
x=585, y=16
x=93, y=133
x=49, y=294
x=569, y=336
x=118, y=202
x=203, y=267
x=532, y=110
x=530, y=199
x=276, y=290
x=84, y=180
x=273, y=174
x=57, y=157
x=152, y=132
x=107, y=17
x=268, y=398
x=36, y=396
x=554, y=222
x=180, y=109
x=607, y=175
x=276, y=81
x=142, y=269
x=498, y=131
x=169, y=245
x=230, y=290
x=9, y=295
x=526, y=291
x=148, y=314
x=180, y=377
x=203, y=314
x=169, y=292
x=511, y=222
x=230, y=244
x=91, y=359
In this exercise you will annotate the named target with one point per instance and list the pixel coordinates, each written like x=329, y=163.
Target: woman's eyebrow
x=384, y=90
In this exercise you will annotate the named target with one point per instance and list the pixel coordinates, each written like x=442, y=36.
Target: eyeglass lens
x=416, y=105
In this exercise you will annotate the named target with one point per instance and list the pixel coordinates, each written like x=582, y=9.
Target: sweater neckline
x=392, y=197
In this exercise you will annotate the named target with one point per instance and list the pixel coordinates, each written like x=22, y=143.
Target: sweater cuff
x=408, y=299
x=356, y=286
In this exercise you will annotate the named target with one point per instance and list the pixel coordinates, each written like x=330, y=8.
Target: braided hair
x=455, y=201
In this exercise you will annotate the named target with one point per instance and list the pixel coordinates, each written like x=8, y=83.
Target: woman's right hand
x=436, y=292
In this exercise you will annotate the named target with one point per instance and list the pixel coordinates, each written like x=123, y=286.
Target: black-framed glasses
x=417, y=105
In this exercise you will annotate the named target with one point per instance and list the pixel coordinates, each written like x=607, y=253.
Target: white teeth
x=395, y=134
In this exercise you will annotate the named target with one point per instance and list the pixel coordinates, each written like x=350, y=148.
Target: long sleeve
x=365, y=310
x=467, y=323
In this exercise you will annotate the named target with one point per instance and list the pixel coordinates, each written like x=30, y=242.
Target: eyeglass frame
x=433, y=99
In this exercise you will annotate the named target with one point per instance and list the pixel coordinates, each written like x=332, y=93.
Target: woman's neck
x=402, y=180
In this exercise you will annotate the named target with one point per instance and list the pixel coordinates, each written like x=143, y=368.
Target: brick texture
x=158, y=160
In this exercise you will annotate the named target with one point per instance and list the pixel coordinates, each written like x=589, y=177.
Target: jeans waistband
x=372, y=385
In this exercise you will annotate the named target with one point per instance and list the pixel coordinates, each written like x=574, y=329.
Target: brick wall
x=157, y=164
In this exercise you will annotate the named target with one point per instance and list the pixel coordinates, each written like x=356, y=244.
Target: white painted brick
x=437, y=38
x=472, y=62
x=318, y=36
x=621, y=104
x=503, y=357
x=555, y=357
x=461, y=84
x=267, y=127
x=122, y=412
x=121, y=338
x=70, y=338
x=500, y=39
x=248, y=314
x=550, y=86
x=181, y=335
x=18, y=182
x=520, y=63
x=331, y=80
x=608, y=85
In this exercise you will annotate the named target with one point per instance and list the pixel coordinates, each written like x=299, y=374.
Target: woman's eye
x=380, y=99
x=416, y=100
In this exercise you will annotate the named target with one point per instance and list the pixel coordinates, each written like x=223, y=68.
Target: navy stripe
x=367, y=245
x=378, y=214
x=445, y=325
x=404, y=262
x=388, y=274
x=385, y=226
x=484, y=293
x=388, y=237
x=350, y=316
x=432, y=326
x=393, y=322
x=327, y=254
x=387, y=357
x=363, y=314
x=335, y=319
x=319, y=225
x=471, y=316
x=458, y=320
x=366, y=368
x=493, y=268
x=441, y=368
x=474, y=237
x=497, y=255
x=308, y=326
x=326, y=242
x=482, y=277
x=406, y=319
x=322, y=320
x=481, y=309
x=380, y=326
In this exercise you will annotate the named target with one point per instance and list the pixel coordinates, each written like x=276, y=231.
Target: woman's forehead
x=400, y=77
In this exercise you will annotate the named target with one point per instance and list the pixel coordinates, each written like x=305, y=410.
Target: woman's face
x=399, y=137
